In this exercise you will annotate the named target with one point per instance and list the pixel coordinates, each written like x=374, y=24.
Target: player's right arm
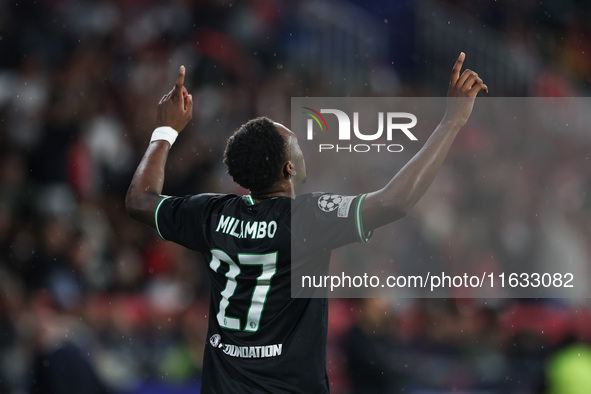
x=145, y=192
x=404, y=190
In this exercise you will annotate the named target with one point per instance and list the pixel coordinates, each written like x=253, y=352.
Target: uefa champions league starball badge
x=329, y=202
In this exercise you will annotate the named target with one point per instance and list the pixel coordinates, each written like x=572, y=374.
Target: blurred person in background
x=60, y=364
x=369, y=347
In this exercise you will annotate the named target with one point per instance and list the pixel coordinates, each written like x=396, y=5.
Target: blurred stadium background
x=91, y=301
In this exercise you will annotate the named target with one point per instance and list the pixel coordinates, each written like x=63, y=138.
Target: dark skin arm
x=406, y=188
x=145, y=192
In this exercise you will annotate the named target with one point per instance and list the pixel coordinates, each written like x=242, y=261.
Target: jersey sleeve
x=328, y=221
x=183, y=219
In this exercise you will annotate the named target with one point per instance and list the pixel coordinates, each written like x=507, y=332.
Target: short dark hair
x=255, y=153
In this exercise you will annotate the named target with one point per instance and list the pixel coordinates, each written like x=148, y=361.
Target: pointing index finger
x=455, y=72
x=181, y=78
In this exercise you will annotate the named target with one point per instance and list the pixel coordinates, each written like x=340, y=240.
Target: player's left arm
x=145, y=192
x=406, y=188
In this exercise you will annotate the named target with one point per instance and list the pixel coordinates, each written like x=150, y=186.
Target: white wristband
x=166, y=133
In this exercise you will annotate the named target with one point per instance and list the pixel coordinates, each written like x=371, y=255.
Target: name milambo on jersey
x=246, y=229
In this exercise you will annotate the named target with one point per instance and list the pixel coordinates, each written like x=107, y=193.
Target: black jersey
x=260, y=339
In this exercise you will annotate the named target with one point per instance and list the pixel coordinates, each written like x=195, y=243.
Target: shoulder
x=203, y=197
x=196, y=201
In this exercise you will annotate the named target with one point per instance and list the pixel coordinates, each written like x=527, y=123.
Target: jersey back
x=260, y=339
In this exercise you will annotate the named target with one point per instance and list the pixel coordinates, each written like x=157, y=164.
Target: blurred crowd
x=92, y=302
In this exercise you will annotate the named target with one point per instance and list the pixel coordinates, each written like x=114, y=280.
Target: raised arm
x=406, y=188
x=173, y=114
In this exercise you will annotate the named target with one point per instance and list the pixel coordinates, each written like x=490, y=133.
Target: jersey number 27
x=268, y=262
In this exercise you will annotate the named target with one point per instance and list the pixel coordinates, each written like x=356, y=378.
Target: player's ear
x=289, y=170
